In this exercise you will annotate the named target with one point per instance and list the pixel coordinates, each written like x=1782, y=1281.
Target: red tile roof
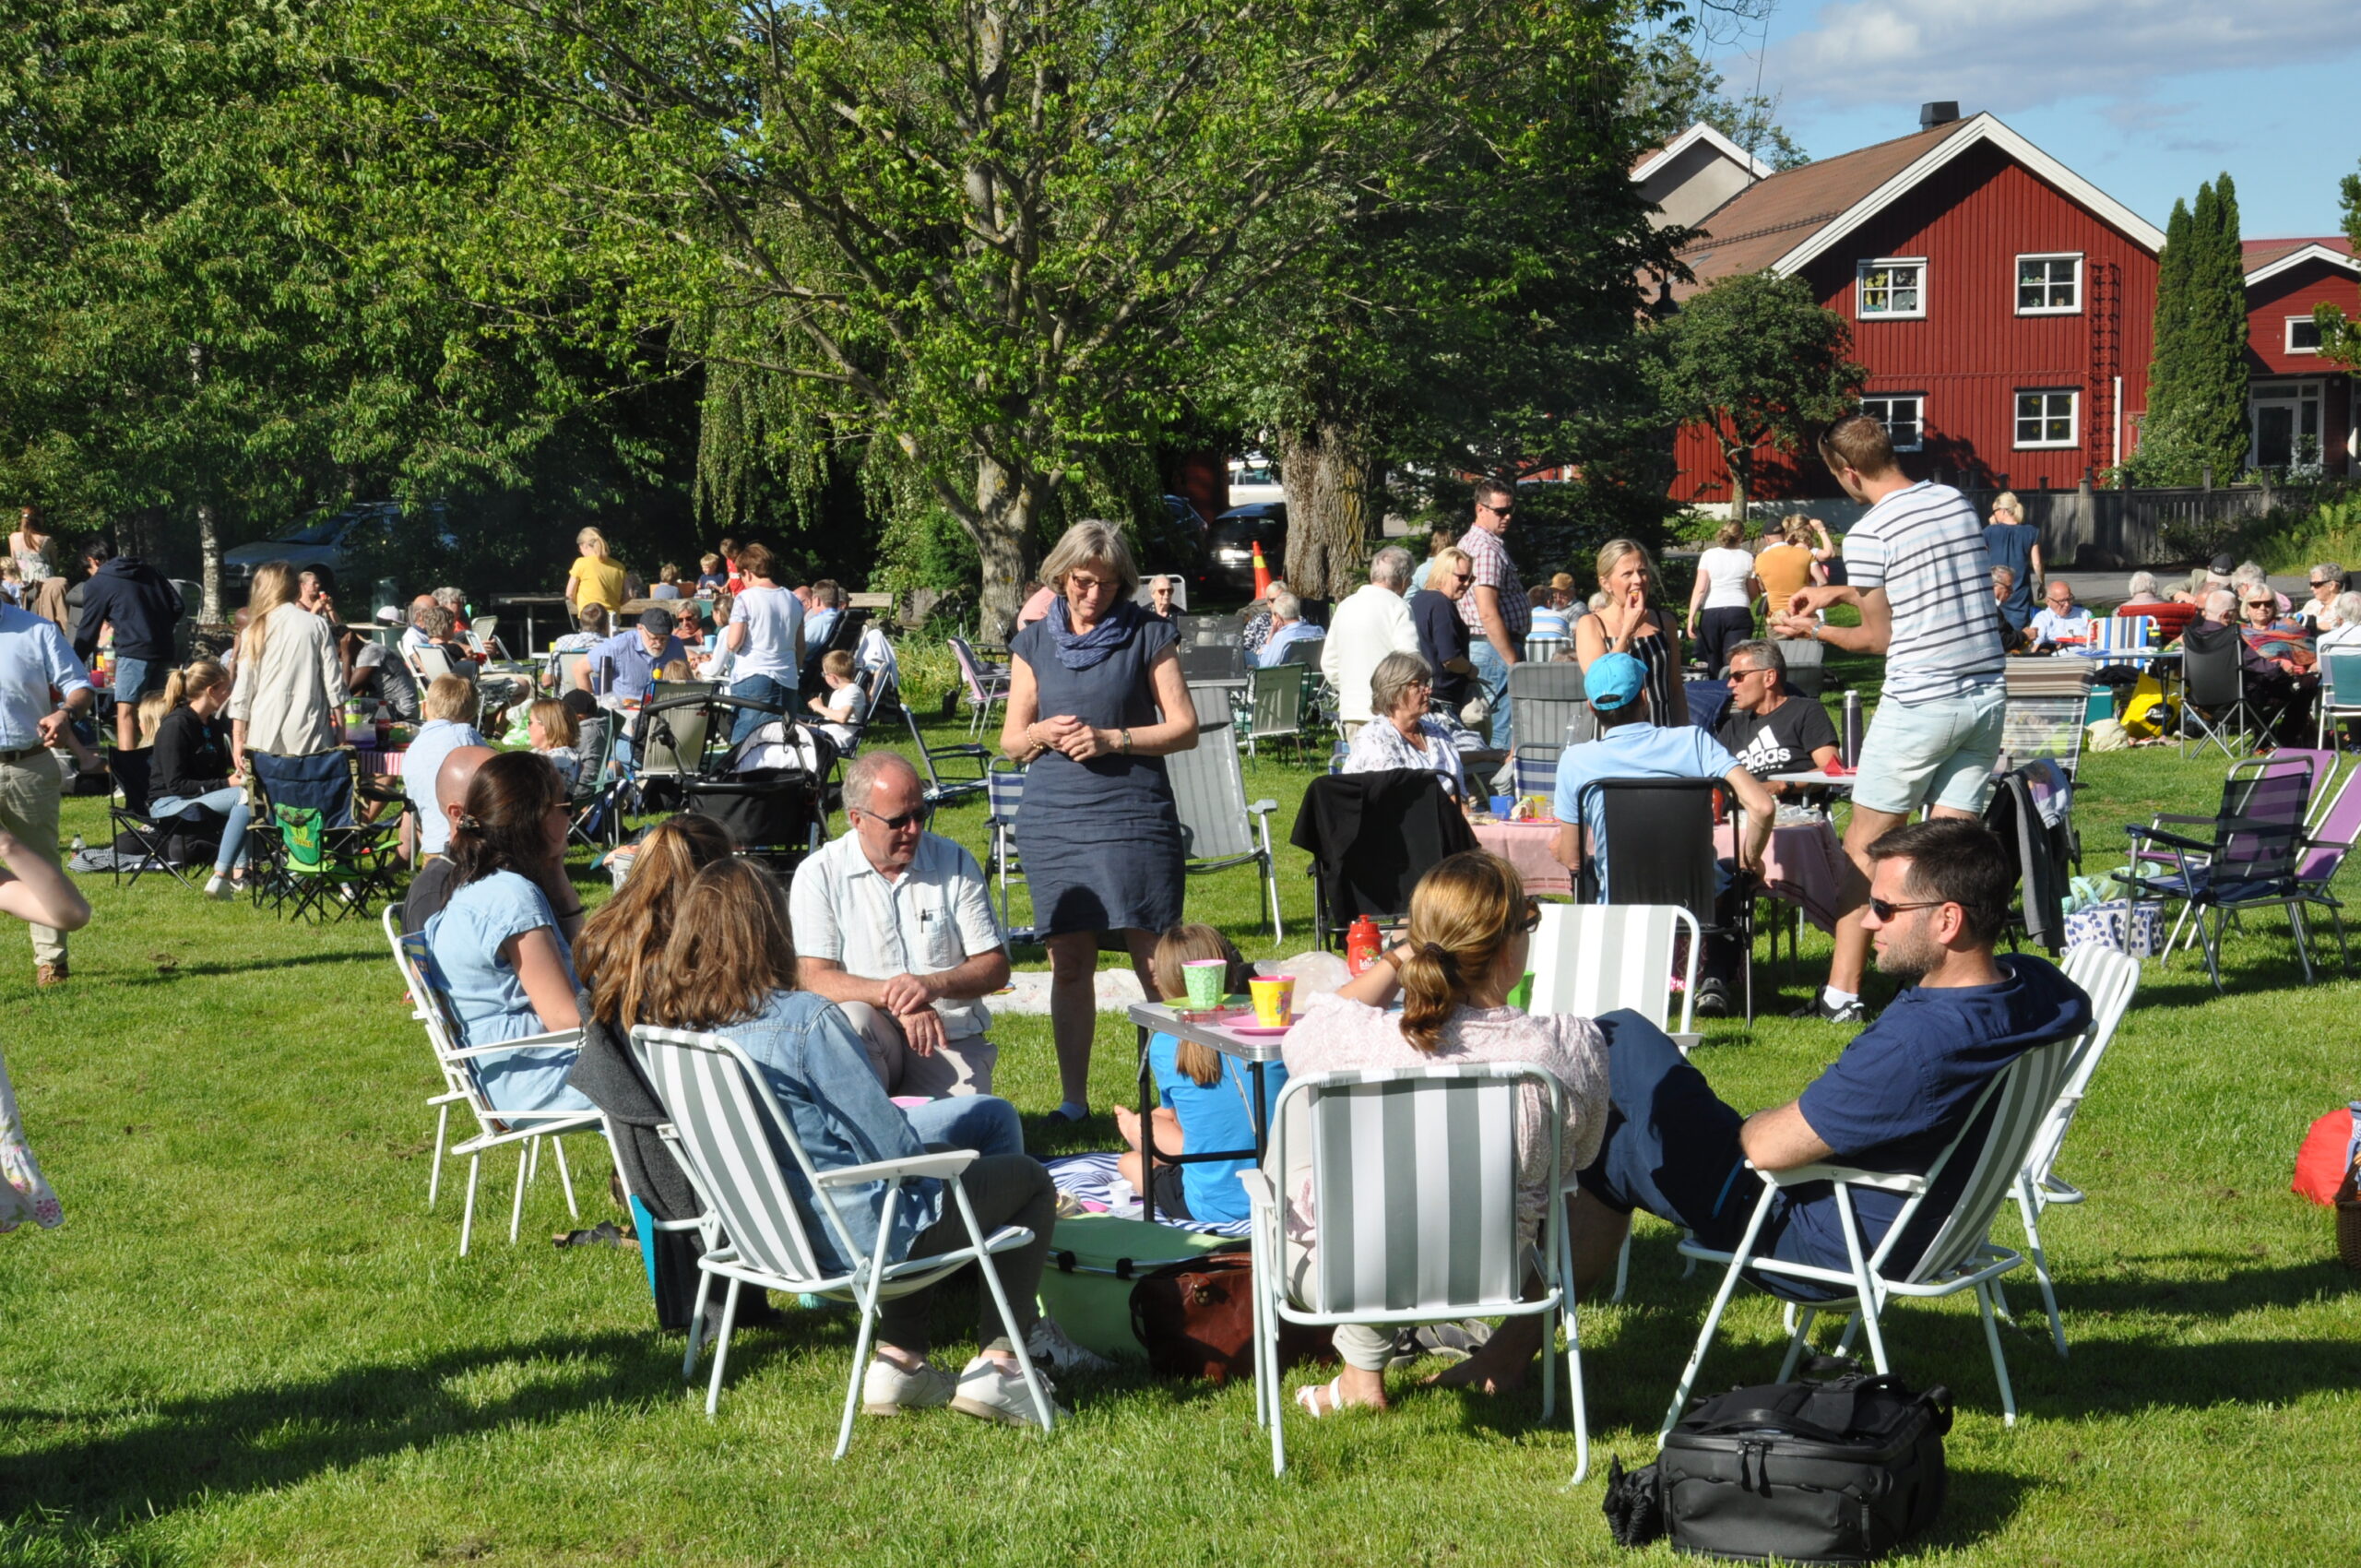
x=2260, y=253
x=1771, y=217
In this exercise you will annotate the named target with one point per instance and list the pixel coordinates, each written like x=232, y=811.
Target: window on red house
x=1891, y=288
x=2049, y=285
x=2048, y=418
x=1904, y=416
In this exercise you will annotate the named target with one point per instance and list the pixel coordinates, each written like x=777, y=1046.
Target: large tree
x=2341, y=333
x=2197, y=415
x=964, y=240
x=1757, y=364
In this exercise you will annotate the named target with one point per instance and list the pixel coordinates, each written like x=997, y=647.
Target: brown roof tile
x=2260, y=253
x=1772, y=217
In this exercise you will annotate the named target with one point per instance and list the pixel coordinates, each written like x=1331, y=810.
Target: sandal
x=1308, y=1398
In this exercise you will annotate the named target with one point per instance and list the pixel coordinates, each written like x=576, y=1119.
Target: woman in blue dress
x=1096, y=702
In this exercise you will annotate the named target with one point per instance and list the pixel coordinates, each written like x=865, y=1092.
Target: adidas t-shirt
x=1925, y=547
x=1779, y=742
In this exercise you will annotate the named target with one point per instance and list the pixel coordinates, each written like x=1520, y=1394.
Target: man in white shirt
x=2060, y=620
x=1372, y=622
x=36, y=659
x=894, y=926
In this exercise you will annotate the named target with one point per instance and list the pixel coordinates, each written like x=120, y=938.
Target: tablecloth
x=1803, y=864
x=1526, y=844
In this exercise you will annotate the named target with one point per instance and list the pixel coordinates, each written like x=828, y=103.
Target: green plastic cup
x=1207, y=980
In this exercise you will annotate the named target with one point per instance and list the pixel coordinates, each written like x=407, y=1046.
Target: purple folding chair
x=2327, y=841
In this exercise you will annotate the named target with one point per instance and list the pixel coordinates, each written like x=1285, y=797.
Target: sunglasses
x=1531, y=922
x=1886, y=911
x=1501, y=511
x=918, y=814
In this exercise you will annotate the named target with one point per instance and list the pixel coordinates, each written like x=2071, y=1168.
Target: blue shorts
x=134, y=678
x=1939, y=753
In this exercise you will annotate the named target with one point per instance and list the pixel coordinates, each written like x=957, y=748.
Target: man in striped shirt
x=1917, y=570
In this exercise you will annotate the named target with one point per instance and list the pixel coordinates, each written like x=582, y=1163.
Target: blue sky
x=2144, y=98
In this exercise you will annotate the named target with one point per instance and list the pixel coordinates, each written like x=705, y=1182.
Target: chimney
x=1933, y=114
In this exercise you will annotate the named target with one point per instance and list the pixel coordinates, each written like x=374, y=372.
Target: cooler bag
x=1094, y=1259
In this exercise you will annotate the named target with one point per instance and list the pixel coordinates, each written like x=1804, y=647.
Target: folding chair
x=985, y=684
x=940, y=789
x=2214, y=693
x=1413, y=1176
x=2044, y=711
x=1547, y=706
x=1403, y=823
x=1218, y=828
x=1659, y=850
x=1959, y=1255
x=135, y=817
x=314, y=852
x=1005, y=790
x=1534, y=771
x=1541, y=651
x=1275, y=708
x=2108, y=977
x=2328, y=839
x=1806, y=669
x=725, y=1123
x=2340, y=696
x=495, y=1127
x=421, y=1011
x=2249, y=863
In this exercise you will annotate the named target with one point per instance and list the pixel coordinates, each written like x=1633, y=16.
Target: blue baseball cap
x=1614, y=680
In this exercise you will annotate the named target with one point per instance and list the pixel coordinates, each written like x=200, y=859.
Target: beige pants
x=960, y=1066
x=29, y=789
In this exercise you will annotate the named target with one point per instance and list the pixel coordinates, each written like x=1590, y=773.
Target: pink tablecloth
x=1803, y=864
x=1526, y=844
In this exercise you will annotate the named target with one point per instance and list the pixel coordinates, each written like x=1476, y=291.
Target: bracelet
x=569, y=914
x=1127, y=742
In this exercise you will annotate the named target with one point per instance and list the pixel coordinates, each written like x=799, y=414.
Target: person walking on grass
x=35, y=660
x=35, y=889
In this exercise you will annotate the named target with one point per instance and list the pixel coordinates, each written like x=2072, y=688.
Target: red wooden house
x=2302, y=412
x=2003, y=304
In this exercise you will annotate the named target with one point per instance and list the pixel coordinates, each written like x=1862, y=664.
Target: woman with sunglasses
x=1467, y=944
x=1442, y=631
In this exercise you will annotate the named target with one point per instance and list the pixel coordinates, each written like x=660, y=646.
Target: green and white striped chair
x=1959, y=1256
x=721, y=1106
x=1412, y=1175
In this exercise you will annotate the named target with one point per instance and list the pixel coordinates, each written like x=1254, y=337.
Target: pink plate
x=1244, y=1024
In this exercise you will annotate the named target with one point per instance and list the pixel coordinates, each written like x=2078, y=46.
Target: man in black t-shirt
x=1765, y=728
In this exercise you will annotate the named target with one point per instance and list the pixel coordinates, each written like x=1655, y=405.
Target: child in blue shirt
x=1202, y=1097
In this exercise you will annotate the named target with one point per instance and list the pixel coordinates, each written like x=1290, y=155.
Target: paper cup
x=1207, y=980
x=1271, y=993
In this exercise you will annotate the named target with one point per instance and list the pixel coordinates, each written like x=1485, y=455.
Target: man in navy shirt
x=628, y=663
x=1893, y=1101
x=135, y=597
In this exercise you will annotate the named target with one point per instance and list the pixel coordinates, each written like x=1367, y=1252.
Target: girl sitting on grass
x=1201, y=1095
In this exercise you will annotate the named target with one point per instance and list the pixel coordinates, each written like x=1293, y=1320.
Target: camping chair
x=1659, y=850
x=567, y=664
x=1275, y=708
x=494, y=1128
x=673, y=730
x=1534, y=771
x=2108, y=977
x=1413, y=1178
x=985, y=684
x=2327, y=841
x=1005, y=790
x=940, y=789
x=1212, y=660
x=2250, y=863
x=482, y=628
x=135, y=818
x=311, y=849
x=2043, y=712
x=2340, y=694
x=1807, y=667
x=2123, y=634
x=1218, y=828
x=1547, y=706
x=1993, y=1143
x=2213, y=696
x=1406, y=823
x=422, y=1010
x=725, y=1129
x=1541, y=651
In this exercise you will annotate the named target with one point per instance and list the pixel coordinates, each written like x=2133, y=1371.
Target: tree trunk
x=1006, y=503
x=1741, y=467
x=208, y=548
x=1331, y=478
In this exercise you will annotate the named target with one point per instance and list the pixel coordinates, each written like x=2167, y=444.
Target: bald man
x=432, y=887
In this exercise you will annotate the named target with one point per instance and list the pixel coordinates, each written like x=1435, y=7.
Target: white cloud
x=2010, y=55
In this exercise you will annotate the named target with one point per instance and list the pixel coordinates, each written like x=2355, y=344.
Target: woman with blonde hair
x=595, y=576
x=1721, y=605
x=2011, y=541
x=290, y=681
x=1096, y=702
x=1468, y=941
x=1631, y=623
x=1786, y=562
x=189, y=767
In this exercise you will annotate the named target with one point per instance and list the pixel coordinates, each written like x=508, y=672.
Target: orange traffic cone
x=1261, y=572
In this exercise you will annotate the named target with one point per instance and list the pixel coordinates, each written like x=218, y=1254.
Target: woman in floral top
x=1469, y=936
x=35, y=890
x=1402, y=735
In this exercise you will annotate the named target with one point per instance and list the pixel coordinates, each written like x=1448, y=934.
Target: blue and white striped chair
x=1004, y=791
x=1412, y=1173
x=2123, y=634
x=1534, y=771
x=1997, y=1138
x=722, y=1112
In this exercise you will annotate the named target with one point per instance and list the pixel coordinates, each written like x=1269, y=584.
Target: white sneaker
x=220, y=887
x=1049, y=1342
x=990, y=1395
x=888, y=1390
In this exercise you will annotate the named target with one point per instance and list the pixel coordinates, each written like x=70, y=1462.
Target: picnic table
x=1803, y=865
x=1256, y=1049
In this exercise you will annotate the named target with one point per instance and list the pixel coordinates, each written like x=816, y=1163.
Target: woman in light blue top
x=502, y=947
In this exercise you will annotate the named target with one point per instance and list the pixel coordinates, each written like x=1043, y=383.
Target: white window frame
x=1891, y=397
x=2016, y=283
x=2293, y=346
x=2073, y=417
x=1861, y=288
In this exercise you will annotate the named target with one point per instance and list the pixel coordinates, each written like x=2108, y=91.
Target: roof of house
x=1657, y=158
x=2267, y=258
x=1784, y=221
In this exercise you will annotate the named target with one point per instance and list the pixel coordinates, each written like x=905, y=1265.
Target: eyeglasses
x=1886, y=911
x=918, y=814
x=2321, y=582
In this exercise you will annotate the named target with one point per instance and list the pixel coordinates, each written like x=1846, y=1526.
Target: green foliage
x=1756, y=361
x=2341, y=334
x=2197, y=397
x=1677, y=87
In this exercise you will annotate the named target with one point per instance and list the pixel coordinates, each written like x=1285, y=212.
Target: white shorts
x=1938, y=753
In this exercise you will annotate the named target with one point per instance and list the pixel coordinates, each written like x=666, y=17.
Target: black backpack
x=1840, y=1471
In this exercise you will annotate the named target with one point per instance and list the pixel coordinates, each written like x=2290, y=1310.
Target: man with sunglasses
x=1496, y=610
x=1767, y=728
x=894, y=926
x=1901, y=1091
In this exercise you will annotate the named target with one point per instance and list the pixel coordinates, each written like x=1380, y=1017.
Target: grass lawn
x=252, y=1343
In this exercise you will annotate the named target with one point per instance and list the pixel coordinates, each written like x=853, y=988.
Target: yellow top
x=601, y=581
x=1782, y=569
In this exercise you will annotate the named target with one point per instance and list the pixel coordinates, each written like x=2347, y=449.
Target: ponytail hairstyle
x=1732, y=534
x=201, y=676
x=729, y=952
x=1463, y=913
x=274, y=586
x=501, y=827
x=622, y=944
x=1174, y=948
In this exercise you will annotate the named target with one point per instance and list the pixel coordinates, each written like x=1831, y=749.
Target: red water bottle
x=385, y=727
x=1362, y=942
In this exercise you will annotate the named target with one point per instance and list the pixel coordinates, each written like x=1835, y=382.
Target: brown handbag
x=1197, y=1320
x=2348, y=1218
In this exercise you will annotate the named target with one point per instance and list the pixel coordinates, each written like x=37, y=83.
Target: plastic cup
x=1271, y=993
x=1503, y=806
x=1205, y=979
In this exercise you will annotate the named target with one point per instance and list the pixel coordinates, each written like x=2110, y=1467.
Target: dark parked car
x=336, y=544
x=1230, y=545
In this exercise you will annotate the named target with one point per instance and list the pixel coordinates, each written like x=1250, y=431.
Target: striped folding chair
x=1996, y=1140
x=1004, y=792
x=1533, y=770
x=2124, y=634
x=1412, y=1177
x=723, y=1119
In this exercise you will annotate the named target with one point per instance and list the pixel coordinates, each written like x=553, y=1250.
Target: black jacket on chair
x=1373, y=835
x=603, y=1070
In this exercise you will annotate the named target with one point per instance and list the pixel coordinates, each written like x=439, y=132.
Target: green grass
x=252, y=1343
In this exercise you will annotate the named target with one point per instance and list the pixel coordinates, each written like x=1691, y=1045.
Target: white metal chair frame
x=769, y=1246
x=2108, y=977
x=391, y=919
x=1552, y=1256
x=984, y=683
x=494, y=1128
x=2340, y=694
x=1959, y=1256
x=1209, y=796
